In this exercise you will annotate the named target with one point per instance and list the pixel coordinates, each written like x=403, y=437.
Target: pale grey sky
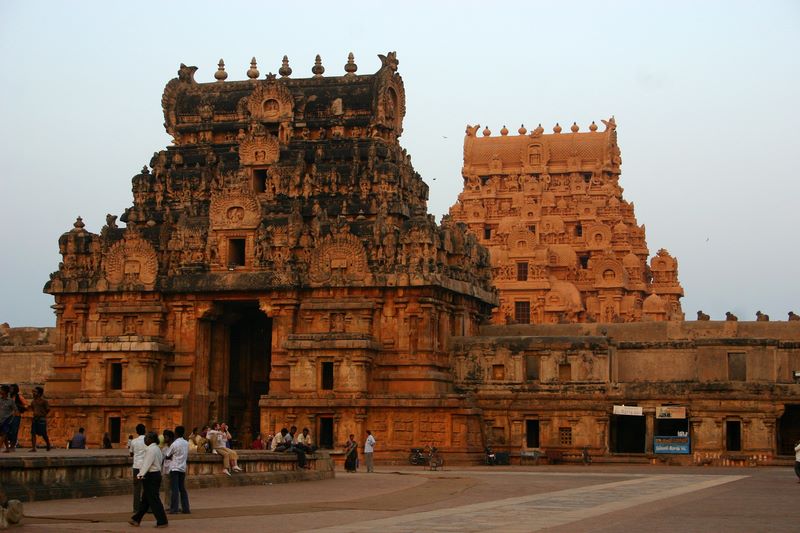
x=704, y=93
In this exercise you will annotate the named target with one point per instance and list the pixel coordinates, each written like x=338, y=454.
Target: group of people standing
x=151, y=464
x=351, y=453
x=12, y=405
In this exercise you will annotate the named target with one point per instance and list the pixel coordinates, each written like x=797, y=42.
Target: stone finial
x=486, y=131
x=538, y=131
x=522, y=130
x=285, y=71
x=270, y=76
x=593, y=126
x=574, y=128
x=145, y=170
x=389, y=61
x=220, y=74
x=78, y=225
x=557, y=128
x=253, y=72
x=317, y=69
x=351, y=66
x=504, y=131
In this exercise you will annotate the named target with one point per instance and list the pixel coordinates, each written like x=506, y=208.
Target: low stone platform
x=61, y=474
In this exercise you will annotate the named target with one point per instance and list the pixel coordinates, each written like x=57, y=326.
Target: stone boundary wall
x=32, y=477
x=656, y=331
x=26, y=356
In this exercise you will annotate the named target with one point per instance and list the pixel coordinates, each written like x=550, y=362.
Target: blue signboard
x=671, y=444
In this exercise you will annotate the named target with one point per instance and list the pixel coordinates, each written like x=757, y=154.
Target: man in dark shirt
x=78, y=440
x=39, y=408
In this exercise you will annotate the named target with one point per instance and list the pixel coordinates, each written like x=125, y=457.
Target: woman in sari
x=351, y=454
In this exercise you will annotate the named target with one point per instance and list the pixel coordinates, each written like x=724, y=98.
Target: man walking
x=369, y=448
x=177, y=453
x=150, y=474
x=137, y=450
x=39, y=408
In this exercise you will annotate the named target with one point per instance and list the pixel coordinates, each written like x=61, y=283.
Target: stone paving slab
x=540, y=511
x=509, y=499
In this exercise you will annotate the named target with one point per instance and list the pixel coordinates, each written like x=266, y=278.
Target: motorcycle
x=428, y=455
x=418, y=457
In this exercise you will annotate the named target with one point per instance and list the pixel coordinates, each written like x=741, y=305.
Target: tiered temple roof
x=289, y=183
x=565, y=245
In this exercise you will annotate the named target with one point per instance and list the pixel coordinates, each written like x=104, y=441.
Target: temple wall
x=26, y=355
x=728, y=376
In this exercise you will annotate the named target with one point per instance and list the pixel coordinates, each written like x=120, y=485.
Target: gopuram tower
x=565, y=245
x=277, y=267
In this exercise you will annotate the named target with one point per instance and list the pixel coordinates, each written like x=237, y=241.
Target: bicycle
x=435, y=460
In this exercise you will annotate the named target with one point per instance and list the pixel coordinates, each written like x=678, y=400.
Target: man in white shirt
x=229, y=457
x=305, y=442
x=137, y=448
x=279, y=440
x=178, y=453
x=369, y=448
x=150, y=474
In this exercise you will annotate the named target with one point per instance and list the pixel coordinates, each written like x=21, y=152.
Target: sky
x=704, y=95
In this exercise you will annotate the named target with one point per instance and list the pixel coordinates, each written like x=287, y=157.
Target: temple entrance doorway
x=326, y=437
x=628, y=434
x=789, y=430
x=241, y=349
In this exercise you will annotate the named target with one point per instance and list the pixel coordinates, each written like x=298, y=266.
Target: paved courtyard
x=474, y=499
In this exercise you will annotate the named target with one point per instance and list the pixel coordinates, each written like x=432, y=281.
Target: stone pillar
x=602, y=424
x=649, y=432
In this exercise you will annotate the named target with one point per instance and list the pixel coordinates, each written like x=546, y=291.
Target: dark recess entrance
x=249, y=349
x=628, y=434
x=326, y=432
x=789, y=430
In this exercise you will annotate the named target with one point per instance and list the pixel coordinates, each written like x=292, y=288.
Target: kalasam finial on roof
x=285, y=71
x=575, y=127
x=253, y=72
x=318, y=69
x=593, y=126
x=351, y=66
x=557, y=128
x=220, y=74
x=522, y=130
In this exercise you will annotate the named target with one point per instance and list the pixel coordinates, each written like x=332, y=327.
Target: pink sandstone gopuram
x=565, y=245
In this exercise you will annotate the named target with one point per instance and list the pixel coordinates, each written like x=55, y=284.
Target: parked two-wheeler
x=429, y=455
x=418, y=457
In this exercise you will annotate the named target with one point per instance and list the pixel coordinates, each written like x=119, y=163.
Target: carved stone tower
x=278, y=267
x=565, y=246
